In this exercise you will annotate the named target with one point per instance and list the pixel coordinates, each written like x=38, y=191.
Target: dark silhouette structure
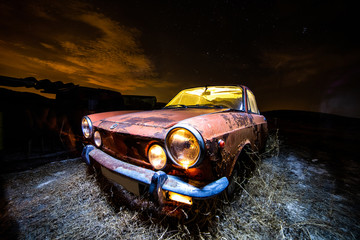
x=34, y=127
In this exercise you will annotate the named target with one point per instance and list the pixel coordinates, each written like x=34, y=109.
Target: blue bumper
x=158, y=181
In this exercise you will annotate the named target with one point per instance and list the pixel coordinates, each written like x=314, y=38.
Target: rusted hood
x=164, y=118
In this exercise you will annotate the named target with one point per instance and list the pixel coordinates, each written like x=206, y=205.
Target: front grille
x=126, y=147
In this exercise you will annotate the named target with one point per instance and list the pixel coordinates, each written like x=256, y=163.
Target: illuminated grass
x=286, y=197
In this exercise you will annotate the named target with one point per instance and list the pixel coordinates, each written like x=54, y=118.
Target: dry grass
x=281, y=200
x=288, y=198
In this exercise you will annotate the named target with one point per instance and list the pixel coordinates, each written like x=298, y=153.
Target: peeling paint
x=134, y=132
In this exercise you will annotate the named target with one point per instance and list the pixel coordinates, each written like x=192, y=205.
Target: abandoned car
x=187, y=150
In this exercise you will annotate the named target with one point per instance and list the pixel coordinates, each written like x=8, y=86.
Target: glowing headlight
x=157, y=156
x=184, y=146
x=86, y=127
x=97, y=139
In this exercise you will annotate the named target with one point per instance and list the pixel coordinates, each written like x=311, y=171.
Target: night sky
x=301, y=55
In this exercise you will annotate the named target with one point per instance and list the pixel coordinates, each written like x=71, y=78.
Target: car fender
x=241, y=148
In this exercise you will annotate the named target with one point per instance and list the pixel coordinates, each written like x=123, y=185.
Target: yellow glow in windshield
x=226, y=96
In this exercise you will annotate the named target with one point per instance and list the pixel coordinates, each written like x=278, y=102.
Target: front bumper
x=158, y=181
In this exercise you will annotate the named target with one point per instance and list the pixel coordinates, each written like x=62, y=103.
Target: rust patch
x=134, y=132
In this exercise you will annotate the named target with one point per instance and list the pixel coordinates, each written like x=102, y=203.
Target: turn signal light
x=180, y=198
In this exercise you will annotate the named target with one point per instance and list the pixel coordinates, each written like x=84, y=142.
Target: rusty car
x=186, y=151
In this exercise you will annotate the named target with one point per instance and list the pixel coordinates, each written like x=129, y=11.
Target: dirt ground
x=289, y=196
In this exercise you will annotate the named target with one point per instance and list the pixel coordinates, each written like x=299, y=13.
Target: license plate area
x=128, y=184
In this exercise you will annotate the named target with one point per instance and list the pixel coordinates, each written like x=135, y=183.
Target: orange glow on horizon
x=30, y=90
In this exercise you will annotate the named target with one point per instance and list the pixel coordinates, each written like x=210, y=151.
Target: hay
x=285, y=197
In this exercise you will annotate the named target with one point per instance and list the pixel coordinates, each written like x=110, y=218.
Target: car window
x=224, y=96
x=252, y=106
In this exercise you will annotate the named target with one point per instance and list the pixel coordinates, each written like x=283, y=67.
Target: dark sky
x=300, y=55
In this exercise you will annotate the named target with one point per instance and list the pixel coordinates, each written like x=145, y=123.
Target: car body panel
x=127, y=136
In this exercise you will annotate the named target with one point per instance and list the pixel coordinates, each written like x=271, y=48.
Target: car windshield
x=209, y=97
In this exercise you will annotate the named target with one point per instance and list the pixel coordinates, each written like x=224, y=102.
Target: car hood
x=164, y=118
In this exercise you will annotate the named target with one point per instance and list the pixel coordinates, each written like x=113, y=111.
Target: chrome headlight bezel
x=89, y=133
x=198, y=138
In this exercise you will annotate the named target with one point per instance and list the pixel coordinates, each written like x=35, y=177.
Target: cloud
x=63, y=68
x=321, y=80
x=75, y=44
x=48, y=46
x=293, y=67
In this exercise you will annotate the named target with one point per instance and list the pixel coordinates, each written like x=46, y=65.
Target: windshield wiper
x=220, y=106
x=206, y=106
x=176, y=106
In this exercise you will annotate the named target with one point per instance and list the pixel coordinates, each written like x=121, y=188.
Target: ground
x=289, y=196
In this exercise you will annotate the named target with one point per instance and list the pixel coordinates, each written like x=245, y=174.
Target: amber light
x=157, y=156
x=180, y=198
x=97, y=139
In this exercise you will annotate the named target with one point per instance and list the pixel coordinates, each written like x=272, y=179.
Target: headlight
x=157, y=156
x=97, y=139
x=87, y=127
x=185, y=146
